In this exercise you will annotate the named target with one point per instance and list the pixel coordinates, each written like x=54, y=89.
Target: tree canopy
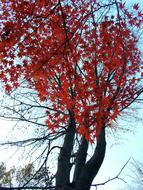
x=74, y=57
x=83, y=60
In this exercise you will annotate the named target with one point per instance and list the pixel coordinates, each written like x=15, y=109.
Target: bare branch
x=116, y=177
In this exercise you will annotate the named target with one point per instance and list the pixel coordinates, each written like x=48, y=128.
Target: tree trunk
x=93, y=165
x=64, y=165
x=84, y=172
x=80, y=158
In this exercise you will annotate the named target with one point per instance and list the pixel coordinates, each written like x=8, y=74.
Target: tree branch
x=113, y=178
x=93, y=165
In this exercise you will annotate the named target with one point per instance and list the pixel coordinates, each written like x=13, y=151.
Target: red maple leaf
x=136, y=6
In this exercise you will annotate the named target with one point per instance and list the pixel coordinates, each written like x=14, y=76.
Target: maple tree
x=83, y=60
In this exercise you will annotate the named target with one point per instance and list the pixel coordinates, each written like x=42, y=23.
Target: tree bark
x=80, y=158
x=93, y=165
x=64, y=165
x=84, y=172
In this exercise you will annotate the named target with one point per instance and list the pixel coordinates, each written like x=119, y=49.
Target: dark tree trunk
x=93, y=165
x=64, y=165
x=84, y=171
x=80, y=158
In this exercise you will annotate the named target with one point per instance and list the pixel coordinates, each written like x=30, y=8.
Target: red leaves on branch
x=76, y=60
x=136, y=6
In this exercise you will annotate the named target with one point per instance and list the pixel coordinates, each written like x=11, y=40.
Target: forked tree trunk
x=84, y=171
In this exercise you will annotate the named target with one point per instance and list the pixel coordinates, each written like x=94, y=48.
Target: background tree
x=136, y=176
x=19, y=176
x=5, y=176
x=81, y=63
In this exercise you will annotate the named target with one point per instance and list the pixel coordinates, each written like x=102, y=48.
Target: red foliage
x=76, y=59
